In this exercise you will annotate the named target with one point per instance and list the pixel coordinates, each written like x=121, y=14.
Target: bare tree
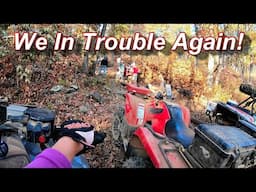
x=102, y=30
x=86, y=56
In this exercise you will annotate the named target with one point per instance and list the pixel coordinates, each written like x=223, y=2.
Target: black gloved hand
x=98, y=137
x=81, y=132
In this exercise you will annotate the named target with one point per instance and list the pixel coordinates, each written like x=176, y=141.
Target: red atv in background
x=153, y=128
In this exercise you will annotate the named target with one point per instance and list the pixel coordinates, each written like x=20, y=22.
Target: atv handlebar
x=139, y=90
x=248, y=89
x=147, y=92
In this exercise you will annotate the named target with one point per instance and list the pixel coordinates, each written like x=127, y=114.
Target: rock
x=96, y=96
x=108, y=89
x=83, y=109
x=3, y=99
x=72, y=89
x=56, y=88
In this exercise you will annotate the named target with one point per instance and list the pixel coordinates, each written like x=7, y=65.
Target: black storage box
x=216, y=146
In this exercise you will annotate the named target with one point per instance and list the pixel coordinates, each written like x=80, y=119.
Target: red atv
x=152, y=127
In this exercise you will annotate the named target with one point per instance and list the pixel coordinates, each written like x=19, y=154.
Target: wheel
x=121, y=131
x=136, y=156
x=3, y=149
x=116, y=131
x=135, y=148
x=136, y=162
x=126, y=132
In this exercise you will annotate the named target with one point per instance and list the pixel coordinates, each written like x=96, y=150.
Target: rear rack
x=251, y=100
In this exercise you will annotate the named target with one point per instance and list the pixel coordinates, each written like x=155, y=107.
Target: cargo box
x=216, y=146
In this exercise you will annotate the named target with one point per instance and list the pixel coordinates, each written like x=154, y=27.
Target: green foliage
x=63, y=82
x=5, y=41
x=23, y=73
x=3, y=52
x=221, y=93
x=50, y=106
x=120, y=30
x=3, y=28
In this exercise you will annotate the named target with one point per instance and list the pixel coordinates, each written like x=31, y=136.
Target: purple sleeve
x=50, y=158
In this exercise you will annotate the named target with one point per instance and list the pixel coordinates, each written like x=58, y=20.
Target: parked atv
x=152, y=127
x=241, y=114
x=24, y=132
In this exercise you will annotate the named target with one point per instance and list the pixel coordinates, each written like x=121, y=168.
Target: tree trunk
x=196, y=33
x=252, y=73
x=85, y=63
x=219, y=68
x=103, y=30
x=210, y=70
x=102, y=33
x=86, y=57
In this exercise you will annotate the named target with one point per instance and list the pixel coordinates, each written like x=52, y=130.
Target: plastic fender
x=170, y=159
x=186, y=115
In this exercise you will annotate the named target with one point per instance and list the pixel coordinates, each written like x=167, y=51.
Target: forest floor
x=95, y=101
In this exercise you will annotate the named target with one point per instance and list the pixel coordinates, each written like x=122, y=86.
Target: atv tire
x=136, y=162
x=17, y=156
x=116, y=132
x=136, y=156
x=121, y=131
x=135, y=148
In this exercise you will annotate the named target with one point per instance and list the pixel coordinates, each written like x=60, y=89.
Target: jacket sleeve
x=50, y=158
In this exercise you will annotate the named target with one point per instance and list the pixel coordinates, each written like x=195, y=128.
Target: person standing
x=135, y=71
x=104, y=65
x=121, y=69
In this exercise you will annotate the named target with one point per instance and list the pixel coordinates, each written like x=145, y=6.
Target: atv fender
x=162, y=153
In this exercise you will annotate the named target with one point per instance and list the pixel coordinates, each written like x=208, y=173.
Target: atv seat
x=176, y=128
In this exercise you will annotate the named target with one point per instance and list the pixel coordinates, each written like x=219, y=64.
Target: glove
x=81, y=132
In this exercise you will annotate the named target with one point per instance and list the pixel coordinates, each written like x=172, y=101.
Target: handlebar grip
x=98, y=137
x=247, y=89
